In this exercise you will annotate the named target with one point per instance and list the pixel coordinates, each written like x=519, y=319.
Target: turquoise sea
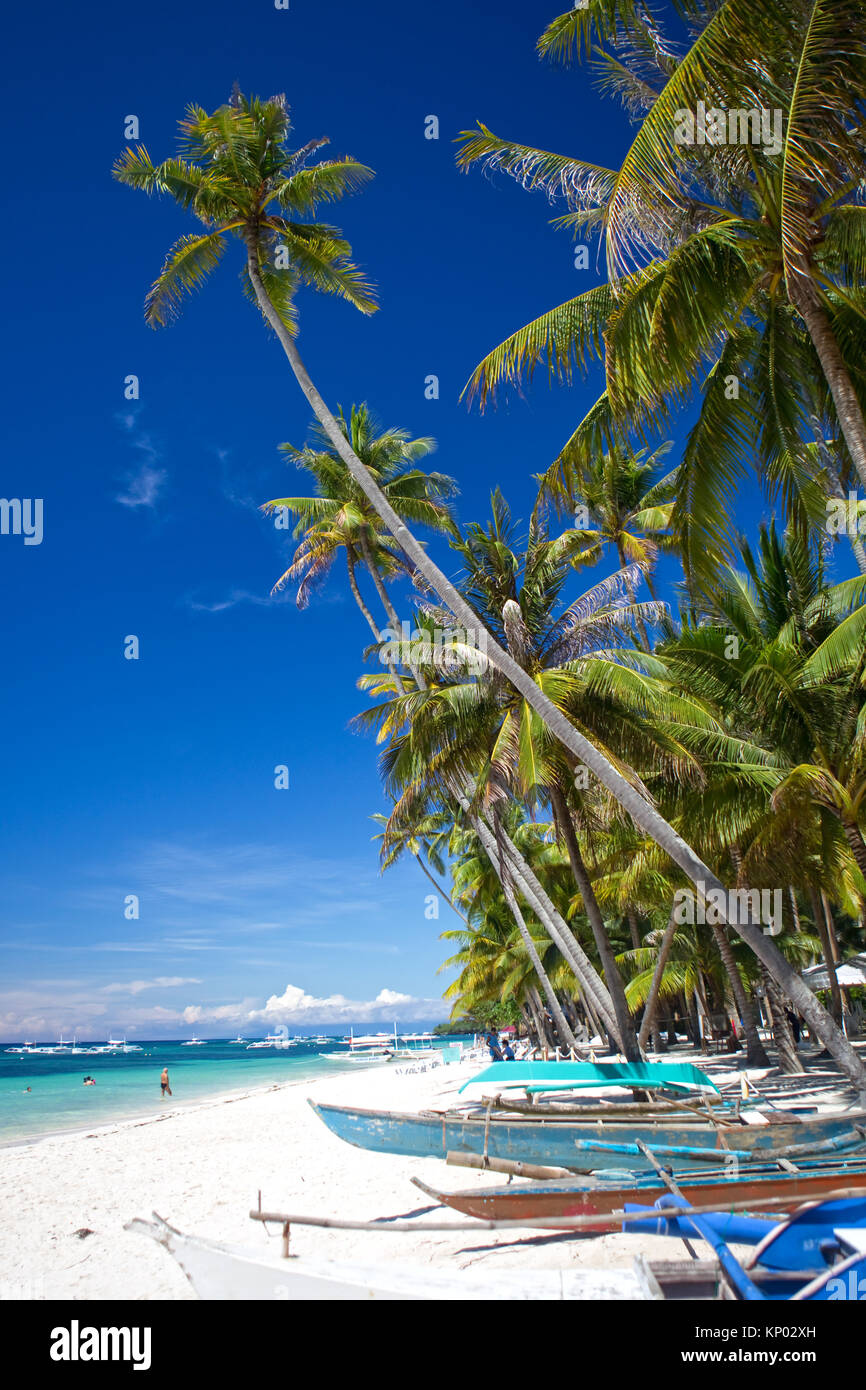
x=127, y=1084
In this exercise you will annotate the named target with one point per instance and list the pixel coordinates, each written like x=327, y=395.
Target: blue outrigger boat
x=586, y=1145
x=819, y=1255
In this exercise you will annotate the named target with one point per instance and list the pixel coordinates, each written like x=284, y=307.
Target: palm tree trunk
x=856, y=844
x=829, y=958
x=438, y=886
x=702, y=1010
x=832, y=473
x=644, y=814
x=557, y=929
x=567, y=1038
x=356, y=594
x=613, y=979
x=804, y=297
x=641, y=625
x=655, y=984
x=560, y=932
x=755, y=1054
x=544, y=1038
x=631, y=918
x=789, y=1058
x=831, y=928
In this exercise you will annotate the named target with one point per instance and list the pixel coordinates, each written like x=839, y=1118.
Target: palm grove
x=584, y=762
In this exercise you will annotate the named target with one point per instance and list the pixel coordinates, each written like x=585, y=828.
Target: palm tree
x=621, y=501
x=572, y=651
x=340, y=517
x=487, y=890
x=427, y=842
x=234, y=172
x=780, y=654
x=722, y=260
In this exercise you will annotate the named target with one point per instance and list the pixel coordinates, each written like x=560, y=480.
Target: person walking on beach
x=492, y=1040
x=163, y=1081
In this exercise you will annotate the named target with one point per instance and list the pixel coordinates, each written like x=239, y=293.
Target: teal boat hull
x=536, y=1077
x=554, y=1142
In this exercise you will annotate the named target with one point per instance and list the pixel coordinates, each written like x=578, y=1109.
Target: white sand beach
x=202, y=1167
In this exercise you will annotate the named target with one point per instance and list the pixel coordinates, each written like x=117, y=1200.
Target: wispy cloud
x=233, y=600
x=161, y=982
x=144, y=484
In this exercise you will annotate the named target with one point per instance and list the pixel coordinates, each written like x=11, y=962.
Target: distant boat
x=374, y=1047
x=114, y=1045
x=236, y=1042
x=416, y=1046
x=194, y=1042
x=24, y=1047
x=272, y=1040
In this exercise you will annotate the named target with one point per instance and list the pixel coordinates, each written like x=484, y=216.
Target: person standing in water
x=163, y=1081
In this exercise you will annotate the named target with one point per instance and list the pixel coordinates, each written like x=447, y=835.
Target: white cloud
x=295, y=1005
x=70, y=1008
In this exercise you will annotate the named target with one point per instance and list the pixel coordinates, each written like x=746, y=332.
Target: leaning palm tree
x=340, y=517
x=236, y=174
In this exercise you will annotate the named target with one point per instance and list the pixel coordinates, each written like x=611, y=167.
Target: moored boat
x=226, y=1272
x=597, y=1195
x=538, y=1077
x=549, y=1140
x=819, y=1255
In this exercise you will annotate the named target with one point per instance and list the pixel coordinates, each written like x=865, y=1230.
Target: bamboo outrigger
x=553, y=1140
x=605, y=1198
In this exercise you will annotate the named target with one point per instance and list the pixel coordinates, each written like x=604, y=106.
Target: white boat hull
x=224, y=1272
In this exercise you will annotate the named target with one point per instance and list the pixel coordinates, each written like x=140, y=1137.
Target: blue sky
x=155, y=777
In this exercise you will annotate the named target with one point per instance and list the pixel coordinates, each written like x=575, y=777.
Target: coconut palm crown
x=235, y=172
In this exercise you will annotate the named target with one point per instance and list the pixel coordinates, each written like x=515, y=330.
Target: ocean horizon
x=128, y=1084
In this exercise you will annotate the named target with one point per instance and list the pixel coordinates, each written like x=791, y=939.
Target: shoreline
x=67, y=1198
x=144, y=1118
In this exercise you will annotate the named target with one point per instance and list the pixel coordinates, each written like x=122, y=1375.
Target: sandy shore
x=201, y=1168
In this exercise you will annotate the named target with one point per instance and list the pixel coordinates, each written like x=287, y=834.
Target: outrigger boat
x=559, y=1140
x=538, y=1077
x=604, y=1194
x=377, y=1047
x=819, y=1255
x=218, y=1271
